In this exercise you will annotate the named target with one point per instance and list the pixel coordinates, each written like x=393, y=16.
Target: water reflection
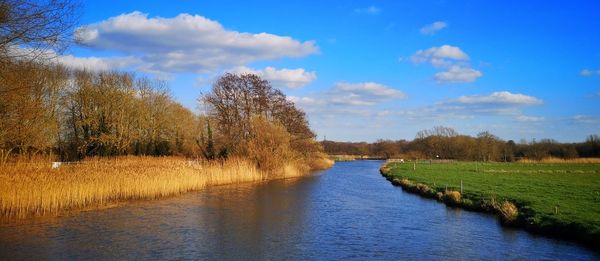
x=349, y=212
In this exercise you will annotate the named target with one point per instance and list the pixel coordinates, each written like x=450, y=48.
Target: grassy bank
x=34, y=188
x=560, y=199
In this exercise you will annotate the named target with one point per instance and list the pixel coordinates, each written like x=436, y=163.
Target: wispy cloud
x=588, y=72
x=290, y=78
x=343, y=98
x=502, y=103
x=498, y=98
x=370, y=10
x=431, y=29
x=586, y=119
x=525, y=118
x=186, y=43
x=367, y=93
x=97, y=63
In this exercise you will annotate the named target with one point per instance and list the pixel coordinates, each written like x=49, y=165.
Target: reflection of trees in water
x=257, y=220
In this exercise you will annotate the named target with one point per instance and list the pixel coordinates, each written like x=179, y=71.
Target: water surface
x=347, y=212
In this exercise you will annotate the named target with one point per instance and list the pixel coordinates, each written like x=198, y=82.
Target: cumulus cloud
x=291, y=78
x=187, y=42
x=371, y=10
x=458, y=74
x=458, y=69
x=439, y=55
x=433, y=28
x=588, y=72
x=367, y=93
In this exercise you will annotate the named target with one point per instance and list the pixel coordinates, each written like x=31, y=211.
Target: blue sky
x=364, y=70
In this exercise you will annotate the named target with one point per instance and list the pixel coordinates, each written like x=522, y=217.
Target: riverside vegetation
x=130, y=138
x=257, y=135
x=560, y=199
x=34, y=188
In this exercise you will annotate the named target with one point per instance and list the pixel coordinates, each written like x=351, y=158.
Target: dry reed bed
x=28, y=189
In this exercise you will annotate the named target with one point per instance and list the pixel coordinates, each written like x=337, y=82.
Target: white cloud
x=524, y=118
x=433, y=28
x=371, y=10
x=291, y=78
x=366, y=99
x=442, y=54
x=587, y=119
x=74, y=62
x=588, y=72
x=458, y=74
x=367, y=93
x=451, y=57
x=304, y=100
x=501, y=103
x=503, y=97
x=187, y=42
x=96, y=63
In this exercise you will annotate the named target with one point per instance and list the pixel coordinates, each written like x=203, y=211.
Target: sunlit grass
x=561, y=198
x=34, y=188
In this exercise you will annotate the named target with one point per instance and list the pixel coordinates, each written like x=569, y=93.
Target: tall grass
x=34, y=188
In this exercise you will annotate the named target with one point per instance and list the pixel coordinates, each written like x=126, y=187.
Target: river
x=346, y=212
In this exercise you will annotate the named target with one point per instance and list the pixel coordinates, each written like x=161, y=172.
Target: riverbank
x=344, y=157
x=561, y=200
x=35, y=188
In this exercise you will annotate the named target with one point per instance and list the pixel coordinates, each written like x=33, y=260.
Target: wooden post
x=555, y=210
x=461, y=187
x=415, y=165
x=476, y=166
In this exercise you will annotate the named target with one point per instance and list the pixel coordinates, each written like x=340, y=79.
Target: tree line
x=46, y=108
x=445, y=143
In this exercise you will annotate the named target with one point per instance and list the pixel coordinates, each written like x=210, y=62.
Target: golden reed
x=34, y=188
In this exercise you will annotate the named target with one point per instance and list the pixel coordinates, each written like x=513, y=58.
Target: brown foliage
x=256, y=120
x=452, y=197
x=507, y=210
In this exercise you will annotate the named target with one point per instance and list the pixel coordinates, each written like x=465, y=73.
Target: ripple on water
x=347, y=212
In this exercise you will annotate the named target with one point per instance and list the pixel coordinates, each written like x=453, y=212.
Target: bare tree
x=31, y=28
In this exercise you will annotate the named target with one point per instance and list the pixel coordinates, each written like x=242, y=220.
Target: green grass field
x=552, y=198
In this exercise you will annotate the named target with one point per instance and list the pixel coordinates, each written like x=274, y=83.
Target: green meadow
x=553, y=198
